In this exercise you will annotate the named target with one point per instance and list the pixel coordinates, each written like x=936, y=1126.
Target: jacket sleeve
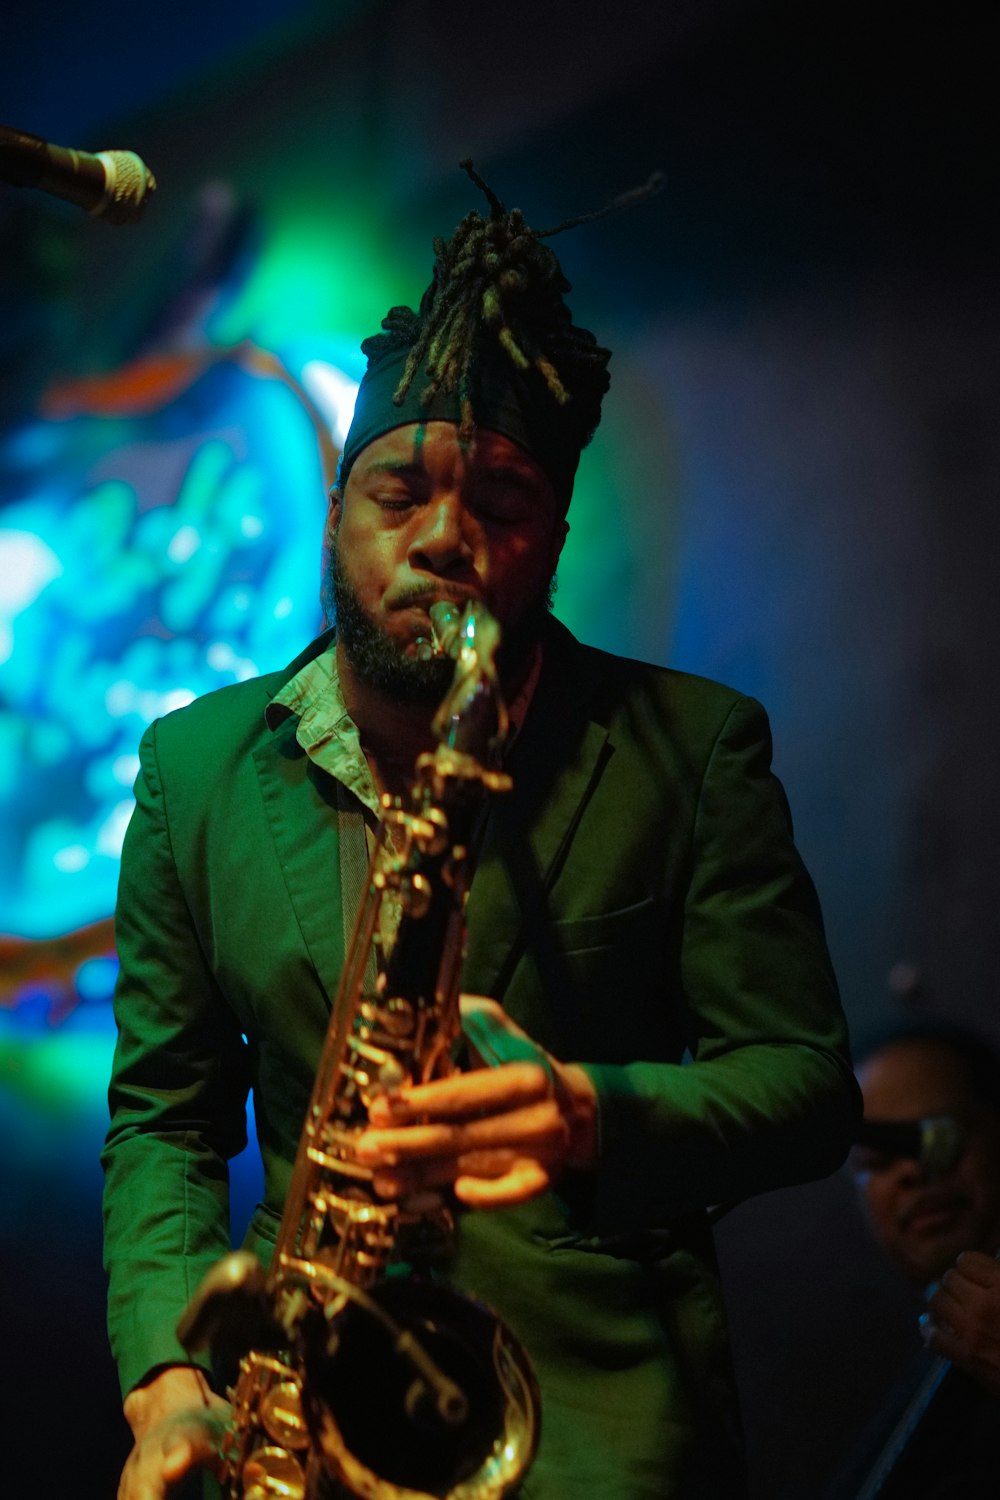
x=768, y=1098
x=177, y=1098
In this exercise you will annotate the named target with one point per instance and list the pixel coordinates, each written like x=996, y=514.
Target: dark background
x=806, y=376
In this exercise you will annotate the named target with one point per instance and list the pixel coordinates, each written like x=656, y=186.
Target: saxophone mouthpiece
x=446, y=619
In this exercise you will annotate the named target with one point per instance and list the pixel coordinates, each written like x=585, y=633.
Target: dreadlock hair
x=496, y=286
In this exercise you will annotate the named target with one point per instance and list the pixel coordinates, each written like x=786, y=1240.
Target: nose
x=907, y=1172
x=443, y=542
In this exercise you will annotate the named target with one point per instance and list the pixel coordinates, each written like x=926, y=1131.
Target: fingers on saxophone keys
x=480, y=1091
x=536, y=1127
x=419, y=1177
x=528, y=1176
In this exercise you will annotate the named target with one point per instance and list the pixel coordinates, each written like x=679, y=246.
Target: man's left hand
x=963, y=1318
x=499, y=1133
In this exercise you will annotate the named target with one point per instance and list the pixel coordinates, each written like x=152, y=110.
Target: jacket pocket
x=604, y=929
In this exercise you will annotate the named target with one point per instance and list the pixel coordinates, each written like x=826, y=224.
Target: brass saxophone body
x=360, y=1381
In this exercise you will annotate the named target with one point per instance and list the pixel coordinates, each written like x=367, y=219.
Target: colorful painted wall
x=793, y=490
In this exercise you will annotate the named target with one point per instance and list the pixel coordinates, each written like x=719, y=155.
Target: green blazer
x=638, y=907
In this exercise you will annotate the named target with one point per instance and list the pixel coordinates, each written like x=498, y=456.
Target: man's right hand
x=179, y=1424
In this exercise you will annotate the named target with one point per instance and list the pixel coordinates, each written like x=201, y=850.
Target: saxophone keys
x=429, y=831
x=270, y=1473
x=281, y=1415
x=394, y=1018
x=416, y=896
x=391, y=1077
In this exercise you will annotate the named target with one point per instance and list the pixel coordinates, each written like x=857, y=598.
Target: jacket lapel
x=557, y=761
x=299, y=804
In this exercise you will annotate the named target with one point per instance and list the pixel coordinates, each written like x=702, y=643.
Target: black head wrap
x=493, y=345
x=500, y=397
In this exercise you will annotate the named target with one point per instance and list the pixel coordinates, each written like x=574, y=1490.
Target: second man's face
x=924, y=1223
x=424, y=517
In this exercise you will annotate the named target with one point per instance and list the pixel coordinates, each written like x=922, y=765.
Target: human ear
x=333, y=513
x=559, y=534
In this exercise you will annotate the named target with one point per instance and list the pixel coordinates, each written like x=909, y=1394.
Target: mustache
x=422, y=596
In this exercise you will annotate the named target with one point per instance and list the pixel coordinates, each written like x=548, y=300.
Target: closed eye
x=503, y=496
x=395, y=502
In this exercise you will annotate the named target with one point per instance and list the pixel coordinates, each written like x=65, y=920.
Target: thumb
x=495, y=1037
x=195, y=1443
x=178, y=1457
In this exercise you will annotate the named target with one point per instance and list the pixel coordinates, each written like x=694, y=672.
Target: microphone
x=114, y=185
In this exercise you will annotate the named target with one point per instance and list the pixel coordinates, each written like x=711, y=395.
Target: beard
x=381, y=662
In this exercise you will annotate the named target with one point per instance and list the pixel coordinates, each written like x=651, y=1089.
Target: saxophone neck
x=472, y=717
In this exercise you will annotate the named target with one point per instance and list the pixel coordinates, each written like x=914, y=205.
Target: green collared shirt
x=329, y=735
x=326, y=731
x=331, y=739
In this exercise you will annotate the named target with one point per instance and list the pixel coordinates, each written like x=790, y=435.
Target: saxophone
x=362, y=1381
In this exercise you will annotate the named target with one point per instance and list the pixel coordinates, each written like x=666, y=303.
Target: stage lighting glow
x=95, y=979
x=71, y=858
x=145, y=558
x=183, y=544
x=333, y=392
x=27, y=565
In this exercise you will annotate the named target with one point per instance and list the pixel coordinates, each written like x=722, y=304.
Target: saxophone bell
x=436, y=1400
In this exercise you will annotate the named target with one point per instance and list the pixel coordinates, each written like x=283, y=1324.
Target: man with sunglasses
x=927, y=1168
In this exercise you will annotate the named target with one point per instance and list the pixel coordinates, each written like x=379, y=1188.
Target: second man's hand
x=963, y=1318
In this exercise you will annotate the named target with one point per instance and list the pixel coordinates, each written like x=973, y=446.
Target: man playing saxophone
x=652, y=1022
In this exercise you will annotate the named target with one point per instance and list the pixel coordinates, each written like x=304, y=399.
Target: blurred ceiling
x=890, y=102
x=67, y=70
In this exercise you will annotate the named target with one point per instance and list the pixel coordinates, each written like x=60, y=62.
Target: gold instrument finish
x=389, y=1386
